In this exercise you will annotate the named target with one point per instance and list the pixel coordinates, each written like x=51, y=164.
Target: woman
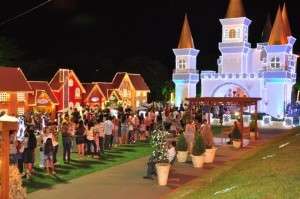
x=80, y=138
x=30, y=145
x=90, y=138
x=207, y=134
x=48, y=156
x=67, y=143
x=189, y=134
x=124, y=129
x=55, y=143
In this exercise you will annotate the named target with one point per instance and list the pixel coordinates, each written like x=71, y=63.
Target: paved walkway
x=125, y=181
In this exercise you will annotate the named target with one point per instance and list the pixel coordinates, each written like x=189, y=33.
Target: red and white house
x=14, y=91
x=94, y=96
x=68, y=89
x=43, y=98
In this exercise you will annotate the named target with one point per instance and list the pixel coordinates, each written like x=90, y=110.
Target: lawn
x=77, y=168
x=270, y=172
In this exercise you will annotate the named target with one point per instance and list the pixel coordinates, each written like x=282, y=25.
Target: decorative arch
x=228, y=84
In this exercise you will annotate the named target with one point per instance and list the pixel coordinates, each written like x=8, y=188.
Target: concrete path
x=125, y=181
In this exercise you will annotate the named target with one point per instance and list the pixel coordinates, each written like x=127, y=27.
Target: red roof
x=38, y=87
x=105, y=88
x=56, y=82
x=13, y=79
x=118, y=78
x=138, y=82
x=89, y=88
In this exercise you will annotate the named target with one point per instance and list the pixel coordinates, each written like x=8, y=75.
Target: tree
x=167, y=89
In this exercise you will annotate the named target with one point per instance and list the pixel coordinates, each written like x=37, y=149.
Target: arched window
x=77, y=93
x=232, y=33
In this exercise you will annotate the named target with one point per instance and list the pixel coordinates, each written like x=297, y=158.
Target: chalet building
x=42, y=99
x=94, y=96
x=68, y=89
x=14, y=91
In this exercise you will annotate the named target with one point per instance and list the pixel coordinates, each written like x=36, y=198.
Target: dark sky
x=90, y=34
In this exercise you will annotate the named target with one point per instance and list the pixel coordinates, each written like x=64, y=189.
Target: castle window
x=4, y=97
x=232, y=33
x=275, y=62
x=77, y=93
x=181, y=64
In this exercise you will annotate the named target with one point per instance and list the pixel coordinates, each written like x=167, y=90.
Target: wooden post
x=255, y=118
x=242, y=124
x=4, y=162
x=208, y=119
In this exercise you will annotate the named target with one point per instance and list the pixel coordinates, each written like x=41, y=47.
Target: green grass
x=77, y=168
x=277, y=177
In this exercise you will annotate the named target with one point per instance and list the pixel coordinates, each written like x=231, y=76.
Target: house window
x=232, y=33
x=20, y=96
x=275, y=62
x=4, y=97
x=145, y=94
x=138, y=93
x=181, y=63
x=137, y=103
x=77, y=93
x=20, y=111
x=71, y=83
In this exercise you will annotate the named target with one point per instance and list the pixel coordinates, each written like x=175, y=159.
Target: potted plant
x=160, y=154
x=198, y=152
x=236, y=138
x=181, y=148
x=210, y=150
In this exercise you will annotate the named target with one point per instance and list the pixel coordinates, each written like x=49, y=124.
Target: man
x=108, y=128
x=67, y=142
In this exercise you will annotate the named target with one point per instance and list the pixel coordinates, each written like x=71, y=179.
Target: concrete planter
x=198, y=161
x=209, y=155
x=182, y=156
x=237, y=144
x=162, y=170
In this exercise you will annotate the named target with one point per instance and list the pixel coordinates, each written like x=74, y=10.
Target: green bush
x=236, y=134
x=198, y=147
x=181, y=144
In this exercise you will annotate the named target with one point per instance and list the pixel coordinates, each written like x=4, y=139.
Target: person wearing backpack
x=29, y=146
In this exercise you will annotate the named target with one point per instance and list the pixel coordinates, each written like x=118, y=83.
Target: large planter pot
x=198, y=161
x=182, y=156
x=252, y=135
x=209, y=155
x=162, y=170
x=237, y=144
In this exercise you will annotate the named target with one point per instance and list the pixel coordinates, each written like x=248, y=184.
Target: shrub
x=199, y=147
x=159, y=145
x=181, y=144
x=236, y=134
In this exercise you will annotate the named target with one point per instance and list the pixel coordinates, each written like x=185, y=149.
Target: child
x=48, y=156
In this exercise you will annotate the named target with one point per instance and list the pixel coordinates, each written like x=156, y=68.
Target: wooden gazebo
x=240, y=102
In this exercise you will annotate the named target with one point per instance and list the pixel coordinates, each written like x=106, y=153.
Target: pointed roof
x=40, y=87
x=278, y=35
x=235, y=9
x=286, y=21
x=186, y=39
x=267, y=29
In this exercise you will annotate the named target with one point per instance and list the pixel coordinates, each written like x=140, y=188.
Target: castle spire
x=278, y=35
x=286, y=22
x=235, y=9
x=267, y=29
x=186, y=39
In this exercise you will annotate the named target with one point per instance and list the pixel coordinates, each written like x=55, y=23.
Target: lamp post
x=7, y=123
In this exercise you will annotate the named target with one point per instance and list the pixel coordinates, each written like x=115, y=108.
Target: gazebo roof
x=216, y=101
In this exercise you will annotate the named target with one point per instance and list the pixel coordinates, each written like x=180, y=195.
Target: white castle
x=267, y=71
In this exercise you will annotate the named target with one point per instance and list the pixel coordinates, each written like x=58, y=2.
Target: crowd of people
x=90, y=132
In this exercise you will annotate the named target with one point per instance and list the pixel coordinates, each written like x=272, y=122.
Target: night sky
x=97, y=39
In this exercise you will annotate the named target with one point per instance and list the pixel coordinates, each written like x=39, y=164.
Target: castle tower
x=185, y=75
x=280, y=73
x=234, y=46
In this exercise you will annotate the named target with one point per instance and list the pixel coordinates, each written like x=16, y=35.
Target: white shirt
x=108, y=127
x=171, y=154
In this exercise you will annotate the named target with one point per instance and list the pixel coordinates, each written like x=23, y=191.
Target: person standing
x=90, y=138
x=54, y=132
x=80, y=138
x=124, y=130
x=30, y=145
x=48, y=155
x=99, y=136
x=189, y=134
x=67, y=143
x=108, y=128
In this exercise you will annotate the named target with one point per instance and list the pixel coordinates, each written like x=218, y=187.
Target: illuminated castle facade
x=267, y=71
